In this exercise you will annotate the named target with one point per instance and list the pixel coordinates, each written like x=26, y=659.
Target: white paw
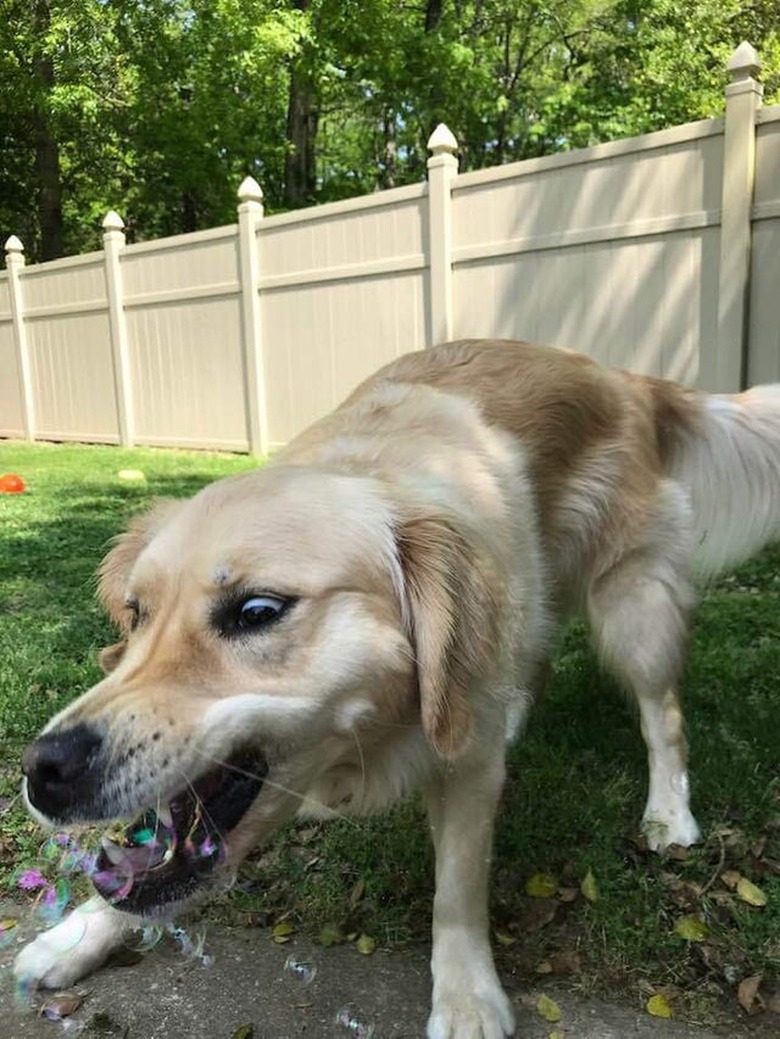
x=73, y=948
x=459, y=1014
x=678, y=827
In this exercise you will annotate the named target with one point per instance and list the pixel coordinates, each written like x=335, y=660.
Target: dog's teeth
x=165, y=816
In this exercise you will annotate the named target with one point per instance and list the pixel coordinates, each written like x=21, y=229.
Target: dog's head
x=280, y=630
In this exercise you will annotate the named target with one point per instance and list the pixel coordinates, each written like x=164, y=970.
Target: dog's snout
x=57, y=767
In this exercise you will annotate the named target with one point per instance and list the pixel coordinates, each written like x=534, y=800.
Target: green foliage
x=159, y=109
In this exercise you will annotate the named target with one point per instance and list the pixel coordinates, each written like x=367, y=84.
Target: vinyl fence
x=660, y=253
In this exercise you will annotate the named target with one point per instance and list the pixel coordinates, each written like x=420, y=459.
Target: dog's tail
x=725, y=450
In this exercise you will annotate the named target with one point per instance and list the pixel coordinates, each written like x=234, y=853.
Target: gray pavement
x=165, y=996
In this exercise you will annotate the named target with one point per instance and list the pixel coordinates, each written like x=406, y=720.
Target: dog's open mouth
x=168, y=851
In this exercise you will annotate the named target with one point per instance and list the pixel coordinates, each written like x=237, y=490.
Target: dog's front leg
x=75, y=947
x=468, y=1000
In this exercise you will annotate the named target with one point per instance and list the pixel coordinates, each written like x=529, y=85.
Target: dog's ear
x=452, y=620
x=115, y=568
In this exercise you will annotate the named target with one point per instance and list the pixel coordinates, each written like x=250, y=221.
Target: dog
x=370, y=613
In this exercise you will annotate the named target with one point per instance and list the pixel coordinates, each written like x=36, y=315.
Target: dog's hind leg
x=638, y=613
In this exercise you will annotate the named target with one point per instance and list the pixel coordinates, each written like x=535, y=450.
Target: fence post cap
x=113, y=221
x=442, y=141
x=250, y=191
x=13, y=245
x=744, y=63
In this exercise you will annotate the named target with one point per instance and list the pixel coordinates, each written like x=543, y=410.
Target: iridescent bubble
x=7, y=932
x=112, y=886
x=303, y=972
x=146, y=938
x=52, y=901
x=31, y=880
x=358, y=1028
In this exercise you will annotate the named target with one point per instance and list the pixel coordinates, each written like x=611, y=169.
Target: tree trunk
x=300, y=178
x=47, y=152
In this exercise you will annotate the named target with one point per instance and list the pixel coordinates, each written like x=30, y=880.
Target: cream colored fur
x=434, y=529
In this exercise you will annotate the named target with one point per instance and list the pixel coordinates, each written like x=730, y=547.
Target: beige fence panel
x=182, y=306
x=612, y=250
x=342, y=291
x=764, y=327
x=659, y=253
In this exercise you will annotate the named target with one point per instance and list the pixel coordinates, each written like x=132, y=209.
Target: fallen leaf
x=568, y=894
x=331, y=934
x=555, y=1034
x=244, y=1032
x=538, y=914
x=678, y=852
x=540, y=885
x=589, y=887
x=356, y=893
x=548, y=1009
x=691, y=928
x=750, y=893
x=366, y=944
x=657, y=1006
x=567, y=961
x=545, y=967
x=773, y=1003
x=731, y=877
x=283, y=932
x=747, y=994
x=61, y=1004
x=503, y=938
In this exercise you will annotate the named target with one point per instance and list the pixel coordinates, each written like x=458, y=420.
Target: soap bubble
x=303, y=972
x=358, y=1028
x=52, y=902
x=7, y=932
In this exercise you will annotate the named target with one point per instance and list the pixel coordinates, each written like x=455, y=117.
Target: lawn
x=573, y=799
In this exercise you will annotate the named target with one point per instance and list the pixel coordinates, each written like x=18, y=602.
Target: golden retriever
x=368, y=615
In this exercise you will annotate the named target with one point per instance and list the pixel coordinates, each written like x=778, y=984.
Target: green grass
x=576, y=784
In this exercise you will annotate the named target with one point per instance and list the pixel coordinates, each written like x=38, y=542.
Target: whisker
x=277, y=786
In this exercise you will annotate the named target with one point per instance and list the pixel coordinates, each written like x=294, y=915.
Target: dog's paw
x=73, y=948
x=471, y=1015
x=662, y=830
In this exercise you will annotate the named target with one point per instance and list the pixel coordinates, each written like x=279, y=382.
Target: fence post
x=442, y=169
x=250, y=213
x=743, y=99
x=113, y=244
x=14, y=262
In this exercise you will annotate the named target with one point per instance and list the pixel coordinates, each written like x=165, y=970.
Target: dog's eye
x=253, y=613
x=131, y=605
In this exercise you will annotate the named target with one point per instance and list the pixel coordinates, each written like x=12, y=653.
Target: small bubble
x=7, y=932
x=146, y=938
x=358, y=1028
x=53, y=901
x=303, y=972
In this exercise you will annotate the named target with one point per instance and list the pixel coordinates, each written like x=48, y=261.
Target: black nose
x=60, y=770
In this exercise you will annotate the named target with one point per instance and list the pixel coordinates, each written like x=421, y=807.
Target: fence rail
x=660, y=253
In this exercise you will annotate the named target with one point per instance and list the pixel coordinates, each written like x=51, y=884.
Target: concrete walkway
x=166, y=996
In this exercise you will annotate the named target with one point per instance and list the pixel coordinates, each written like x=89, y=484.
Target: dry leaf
x=750, y=893
x=567, y=894
x=331, y=934
x=731, y=877
x=589, y=887
x=545, y=967
x=538, y=914
x=567, y=961
x=503, y=938
x=555, y=1034
x=678, y=852
x=366, y=944
x=691, y=928
x=356, y=893
x=283, y=932
x=657, y=1006
x=244, y=1032
x=548, y=1009
x=748, y=996
x=540, y=885
x=61, y=1004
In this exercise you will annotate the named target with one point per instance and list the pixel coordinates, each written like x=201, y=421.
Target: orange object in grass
x=10, y=483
